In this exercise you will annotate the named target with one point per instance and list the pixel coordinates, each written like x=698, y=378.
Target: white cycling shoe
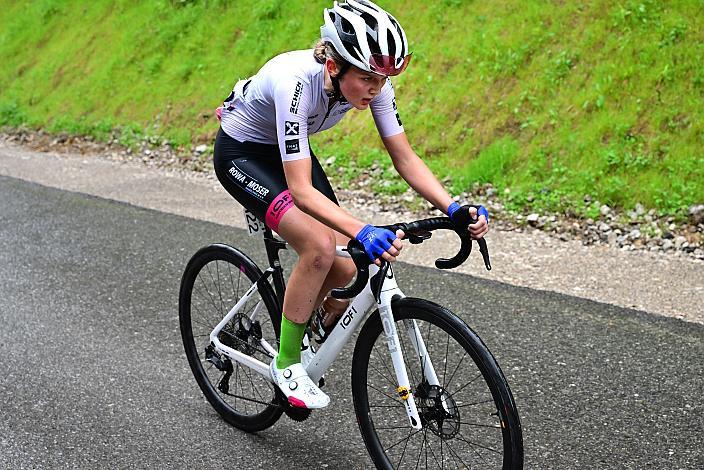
x=299, y=389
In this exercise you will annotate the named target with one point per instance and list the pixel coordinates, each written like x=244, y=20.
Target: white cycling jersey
x=285, y=102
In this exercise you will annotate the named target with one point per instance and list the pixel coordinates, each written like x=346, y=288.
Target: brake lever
x=484, y=250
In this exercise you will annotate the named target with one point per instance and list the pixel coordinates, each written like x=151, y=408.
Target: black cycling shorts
x=254, y=175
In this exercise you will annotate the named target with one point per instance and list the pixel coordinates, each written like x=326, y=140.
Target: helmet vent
x=371, y=21
x=392, y=44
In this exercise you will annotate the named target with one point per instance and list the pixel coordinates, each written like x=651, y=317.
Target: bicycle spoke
x=408, y=438
x=477, y=425
x=391, y=428
x=237, y=380
x=457, y=368
x=384, y=376
x=422, y=444
x=207, y=268
x=456, y=392
x=395, y=399
x=384, y=357
x=207, y=292
x=456, y=456
x=217, y=270
x=235, y=293
x=490, y=400
x=459, y=436
x=447, y=350
x=413, y=433
x=200, y=303
x=442, y=456
x=432, y=454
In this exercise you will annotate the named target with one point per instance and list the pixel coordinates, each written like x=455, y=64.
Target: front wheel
x=469, y=418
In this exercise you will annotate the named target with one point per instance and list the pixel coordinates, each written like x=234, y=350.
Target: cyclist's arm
x=313, y=202
x=415, y=171
x=412, y=169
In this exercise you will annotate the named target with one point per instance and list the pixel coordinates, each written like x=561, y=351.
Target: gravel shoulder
x=661, y=283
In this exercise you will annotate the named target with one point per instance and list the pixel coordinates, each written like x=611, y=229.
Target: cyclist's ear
x=332, y=67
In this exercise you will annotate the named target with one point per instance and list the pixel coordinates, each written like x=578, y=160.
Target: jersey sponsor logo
x=296, y=98
x=394, y=104
x=237, y=175
x=248, y=183
x=292, y=128
x=292, y=146
x=278, y=208
x=257, y=188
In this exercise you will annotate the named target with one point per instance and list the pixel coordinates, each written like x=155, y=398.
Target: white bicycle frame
x=361, y=306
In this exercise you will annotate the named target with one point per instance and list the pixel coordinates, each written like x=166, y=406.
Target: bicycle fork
x=404, y=389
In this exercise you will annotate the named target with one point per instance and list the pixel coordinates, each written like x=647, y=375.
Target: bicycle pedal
x=296, y=414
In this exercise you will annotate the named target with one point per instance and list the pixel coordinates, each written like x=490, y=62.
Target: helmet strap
x=337, y=94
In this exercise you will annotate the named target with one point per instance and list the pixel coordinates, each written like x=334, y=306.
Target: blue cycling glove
x=459, y=214
x=375, y=240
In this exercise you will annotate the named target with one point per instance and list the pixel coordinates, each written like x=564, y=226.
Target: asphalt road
x=92, y=372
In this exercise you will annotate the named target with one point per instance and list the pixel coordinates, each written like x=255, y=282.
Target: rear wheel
x=469, y=419
x=214, y=280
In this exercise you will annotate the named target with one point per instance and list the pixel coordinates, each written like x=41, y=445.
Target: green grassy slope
x=552, y=99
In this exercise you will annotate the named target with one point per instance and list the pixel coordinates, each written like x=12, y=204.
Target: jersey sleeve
x=292, y=100
x=385, y=113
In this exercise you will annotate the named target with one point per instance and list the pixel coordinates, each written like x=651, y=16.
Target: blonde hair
x=324, y=50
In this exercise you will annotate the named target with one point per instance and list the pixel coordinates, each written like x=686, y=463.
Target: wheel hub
x=438, y=410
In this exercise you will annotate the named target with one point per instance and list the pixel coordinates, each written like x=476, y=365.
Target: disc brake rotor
x=438, y=410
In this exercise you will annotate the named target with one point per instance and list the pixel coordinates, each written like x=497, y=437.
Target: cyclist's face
x=360, y=87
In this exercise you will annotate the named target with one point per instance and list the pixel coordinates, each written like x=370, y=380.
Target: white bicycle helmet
x=366, y=36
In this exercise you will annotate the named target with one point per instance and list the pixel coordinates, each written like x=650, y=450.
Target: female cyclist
x=263, y=159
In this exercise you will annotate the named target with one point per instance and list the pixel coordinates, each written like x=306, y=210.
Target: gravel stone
x=696, y=213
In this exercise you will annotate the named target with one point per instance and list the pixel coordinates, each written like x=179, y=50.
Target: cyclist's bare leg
x=314, y=243
x=341, y=272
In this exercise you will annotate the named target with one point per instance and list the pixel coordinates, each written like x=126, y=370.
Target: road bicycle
x=427, y=392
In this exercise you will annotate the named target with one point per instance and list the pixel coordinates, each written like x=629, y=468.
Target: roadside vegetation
x=549, y=101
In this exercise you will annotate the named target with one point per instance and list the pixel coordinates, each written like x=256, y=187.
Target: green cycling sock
x=290, y=343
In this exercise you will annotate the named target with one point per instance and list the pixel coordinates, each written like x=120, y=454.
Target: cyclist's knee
x=320, y=250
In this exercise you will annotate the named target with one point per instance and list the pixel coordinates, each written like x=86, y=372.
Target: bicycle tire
x=203, y=302
x=455, y=438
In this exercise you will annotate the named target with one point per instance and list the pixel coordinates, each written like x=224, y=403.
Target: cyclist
x=263, y=159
